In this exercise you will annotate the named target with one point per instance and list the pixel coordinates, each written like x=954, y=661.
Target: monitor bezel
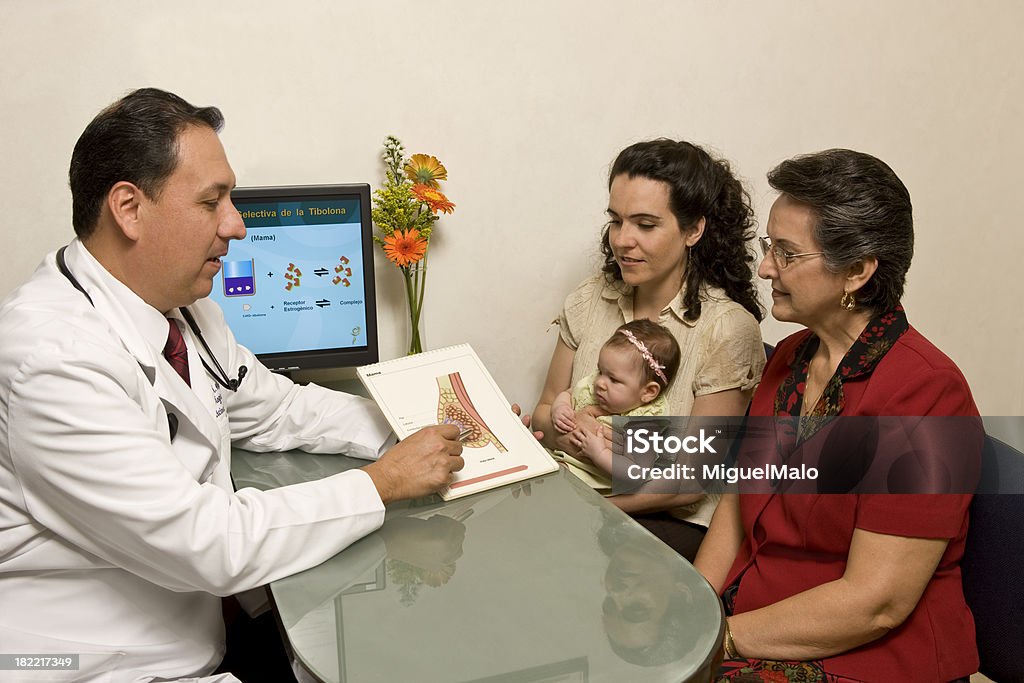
x=343, y=357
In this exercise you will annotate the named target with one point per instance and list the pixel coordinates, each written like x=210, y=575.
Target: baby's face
x=620, y=380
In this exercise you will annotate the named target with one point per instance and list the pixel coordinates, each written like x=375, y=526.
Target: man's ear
x=124, y=201
x=696, y=232
x=650, y=392
x=858, y=274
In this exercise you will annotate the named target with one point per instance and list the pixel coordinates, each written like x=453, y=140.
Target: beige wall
x=527, y=103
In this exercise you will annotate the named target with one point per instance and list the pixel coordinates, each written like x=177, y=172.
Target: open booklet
x=451, y=385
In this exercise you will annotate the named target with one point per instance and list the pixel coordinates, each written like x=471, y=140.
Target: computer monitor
x=298, y=291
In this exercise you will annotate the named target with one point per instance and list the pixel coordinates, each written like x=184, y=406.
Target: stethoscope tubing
x=219, y=375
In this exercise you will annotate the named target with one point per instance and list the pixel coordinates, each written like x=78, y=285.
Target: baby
x=634, y=368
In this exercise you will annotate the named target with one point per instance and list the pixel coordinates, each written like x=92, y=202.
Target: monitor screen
x=298, y=291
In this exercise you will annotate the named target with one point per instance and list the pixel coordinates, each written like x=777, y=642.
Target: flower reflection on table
x=422, y=552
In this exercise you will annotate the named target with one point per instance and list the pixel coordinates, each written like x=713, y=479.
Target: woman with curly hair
x=675, y=252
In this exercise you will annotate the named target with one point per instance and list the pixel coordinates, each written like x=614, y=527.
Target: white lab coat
x=116, y=541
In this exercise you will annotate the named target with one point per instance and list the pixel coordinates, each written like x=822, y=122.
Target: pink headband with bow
x=658, y=369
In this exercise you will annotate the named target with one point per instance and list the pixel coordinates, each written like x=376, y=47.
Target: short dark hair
x=135, y=140
x=658, y=340
x=862, y=209
x=668, y=639
x=700, y=186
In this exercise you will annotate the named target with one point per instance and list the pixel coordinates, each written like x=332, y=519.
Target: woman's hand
x=525, y=419
x=572, y=443
x=598, y=448
x=567, y=443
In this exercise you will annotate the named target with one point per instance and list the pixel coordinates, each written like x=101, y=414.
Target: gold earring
x=848, y=302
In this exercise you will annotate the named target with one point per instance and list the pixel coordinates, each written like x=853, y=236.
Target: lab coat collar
x=143, y=331
x=108, y=296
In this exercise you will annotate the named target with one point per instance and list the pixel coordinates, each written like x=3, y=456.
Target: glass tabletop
x=538, y=581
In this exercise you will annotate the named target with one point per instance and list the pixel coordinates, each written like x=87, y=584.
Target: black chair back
x=993, y=562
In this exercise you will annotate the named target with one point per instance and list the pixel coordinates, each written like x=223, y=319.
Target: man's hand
x=419, y=465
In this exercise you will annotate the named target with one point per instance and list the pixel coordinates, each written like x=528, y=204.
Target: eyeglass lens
x=781, y=258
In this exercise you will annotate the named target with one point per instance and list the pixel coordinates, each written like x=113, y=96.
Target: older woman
x=844, y=587
x=675, y=252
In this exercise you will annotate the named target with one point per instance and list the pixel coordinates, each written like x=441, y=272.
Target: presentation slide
x=295, y=282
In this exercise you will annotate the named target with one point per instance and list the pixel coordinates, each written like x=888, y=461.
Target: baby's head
x=636, y=364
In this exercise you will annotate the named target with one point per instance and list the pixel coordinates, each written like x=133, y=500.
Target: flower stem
x=415, y=279
x=421, y=285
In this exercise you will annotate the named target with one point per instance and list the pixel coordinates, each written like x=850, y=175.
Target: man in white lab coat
x=119, y=527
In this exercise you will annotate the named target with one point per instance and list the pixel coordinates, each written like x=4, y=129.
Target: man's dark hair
x=862, y=209
x=135, y=140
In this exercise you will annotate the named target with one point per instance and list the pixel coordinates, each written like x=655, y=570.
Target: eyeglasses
x=781, y=256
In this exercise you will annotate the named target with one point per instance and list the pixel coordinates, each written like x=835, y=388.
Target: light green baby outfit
x=583, y=396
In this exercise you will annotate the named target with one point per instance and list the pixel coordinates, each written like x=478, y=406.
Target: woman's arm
x=884, y=579
x=729, y=403
x=732, y=402
x=641, y=503
x=721, y=544
x=558, y=380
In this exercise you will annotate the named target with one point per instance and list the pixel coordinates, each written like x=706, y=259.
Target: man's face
x=185, y=231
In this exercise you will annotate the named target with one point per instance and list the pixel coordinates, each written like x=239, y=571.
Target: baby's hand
x=595, y=446
x=564, y=418
x=591, y=443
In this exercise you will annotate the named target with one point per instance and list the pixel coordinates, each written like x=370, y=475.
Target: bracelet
x=729, y=645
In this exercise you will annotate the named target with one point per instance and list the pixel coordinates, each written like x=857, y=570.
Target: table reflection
x=422, y=552
x=541, y=581
x=647, y=602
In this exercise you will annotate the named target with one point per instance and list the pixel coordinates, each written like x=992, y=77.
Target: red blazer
x=795, y=542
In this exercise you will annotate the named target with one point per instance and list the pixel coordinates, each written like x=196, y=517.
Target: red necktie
x=176, y=352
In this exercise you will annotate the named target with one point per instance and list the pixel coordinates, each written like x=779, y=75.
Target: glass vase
x=415, y=282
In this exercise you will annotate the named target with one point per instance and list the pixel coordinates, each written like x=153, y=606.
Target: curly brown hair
x=700, y=186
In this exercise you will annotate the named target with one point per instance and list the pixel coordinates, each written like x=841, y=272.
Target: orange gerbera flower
x=405, y=248
x=424, y=169
x=435, y=199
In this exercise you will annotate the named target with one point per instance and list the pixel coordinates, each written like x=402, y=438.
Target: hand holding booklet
x=452, y=386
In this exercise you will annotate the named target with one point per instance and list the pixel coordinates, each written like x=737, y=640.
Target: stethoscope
x=219, y=375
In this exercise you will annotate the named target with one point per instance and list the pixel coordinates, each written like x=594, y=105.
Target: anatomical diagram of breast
x=455, y=407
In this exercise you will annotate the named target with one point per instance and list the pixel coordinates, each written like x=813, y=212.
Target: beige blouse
x=721, y=350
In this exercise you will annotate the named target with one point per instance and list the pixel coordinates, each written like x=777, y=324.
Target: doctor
x=119, y=526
